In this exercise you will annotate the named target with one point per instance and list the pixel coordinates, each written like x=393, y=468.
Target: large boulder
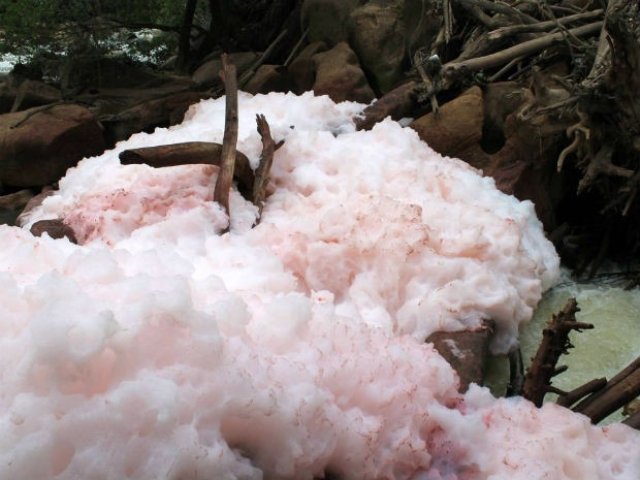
x=303, y=69
x=457, y=127
x=377, y=37
x=39, y=145
x=30, y=93
x=327, y=20
x=338, y=74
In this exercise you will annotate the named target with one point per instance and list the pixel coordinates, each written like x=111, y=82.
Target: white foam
x=162, y=349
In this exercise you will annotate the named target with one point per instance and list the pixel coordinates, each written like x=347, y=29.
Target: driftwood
x=208, y=153
x=555, y=342
x=620, y=390
x=264, y=167
x=230, y=138
x=399, y=102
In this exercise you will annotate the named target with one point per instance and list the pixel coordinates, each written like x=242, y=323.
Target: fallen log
x=187, y=153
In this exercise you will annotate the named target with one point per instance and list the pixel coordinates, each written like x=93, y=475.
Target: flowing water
x=613, y=343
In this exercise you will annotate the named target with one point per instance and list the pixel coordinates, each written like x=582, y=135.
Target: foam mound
x=159, y=348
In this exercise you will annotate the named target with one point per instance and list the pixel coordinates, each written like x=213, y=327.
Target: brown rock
x=269, y=78
x=327, y=20
x=456, y=127
x=33, y=94
x=339, y=75
x=54, y=228
x=378, y=40
x=38, y=146
x=303, y=68
x=466, y=351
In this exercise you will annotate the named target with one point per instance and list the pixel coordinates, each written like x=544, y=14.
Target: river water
x=601, y=352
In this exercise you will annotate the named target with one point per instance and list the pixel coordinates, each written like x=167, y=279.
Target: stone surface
x=376, y=35
x=54, y=228
x=43, y=146
x=208, y=73
x=466, y=351
x=456, y=127
x=303, y=69
x=338, y=74
x=327, y=20
x=33, y=93
x=269, y=78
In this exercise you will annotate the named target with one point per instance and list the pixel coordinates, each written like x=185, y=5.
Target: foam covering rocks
x=159, y=348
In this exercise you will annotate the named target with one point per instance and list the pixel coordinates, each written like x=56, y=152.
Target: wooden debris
x=555, y=342
x=264, y=167
x=230, y=138
x=618, y=391
x=192, y=153
x=399, y=102
x=577, y=394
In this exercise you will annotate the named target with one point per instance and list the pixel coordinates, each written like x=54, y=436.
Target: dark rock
x=466, y=351
x=269, y=78
x=338, y=74
x=378, y=40
x=33, y=94
x=208, y=73
x=12, y=204
x=54, y=228
x=327, y=20
x=303, y=69
x=38, y=146
x=145, y=117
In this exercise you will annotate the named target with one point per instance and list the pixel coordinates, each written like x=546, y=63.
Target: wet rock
x=466, y=351
x=457, y=127
x=303, y=68
x=338, y=74
x=39, y=145
x=327, y=20
x=269, y=78
x=36, y=201
x=376, y=35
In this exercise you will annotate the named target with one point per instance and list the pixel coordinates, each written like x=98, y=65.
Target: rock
x=327, y=20
x=46, y=143
x=501, y=99
x=208, y=73
x=12, y=204
x=303, y=69
x=456, y=127
x=377, y=38
x=466, y=351
x=338, y=74
x=54, y=228
x=145, y=117
x=269, y=78
x=34, y=202
x=33, y=93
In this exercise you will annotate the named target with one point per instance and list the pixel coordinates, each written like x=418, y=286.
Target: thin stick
x=588, y=388
x=264, y=167
x=230, y=139
x=542, y=26
x=522, y=49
